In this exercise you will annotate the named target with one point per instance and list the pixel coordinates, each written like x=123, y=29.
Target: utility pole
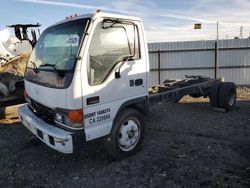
x=217, y=31
x=241, y=32
x=216, y=52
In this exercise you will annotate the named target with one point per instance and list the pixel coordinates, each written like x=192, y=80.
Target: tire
x=227, y=95
x=126, y=135
x=214, y=94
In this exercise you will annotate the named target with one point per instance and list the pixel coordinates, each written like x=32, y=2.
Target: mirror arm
x=118, y=70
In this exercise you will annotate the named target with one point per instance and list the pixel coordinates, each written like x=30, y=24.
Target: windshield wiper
x=49, y=65
x=35, y=69
x=60, y=72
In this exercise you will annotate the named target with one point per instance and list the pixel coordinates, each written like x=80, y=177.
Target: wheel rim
x=232, y=98
x=129, y=134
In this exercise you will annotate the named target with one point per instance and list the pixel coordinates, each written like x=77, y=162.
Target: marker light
x=71, y=16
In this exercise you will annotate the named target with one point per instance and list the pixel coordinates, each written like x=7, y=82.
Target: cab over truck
x=88, y=77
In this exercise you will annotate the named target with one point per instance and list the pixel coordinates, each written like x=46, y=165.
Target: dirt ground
x=186, y=145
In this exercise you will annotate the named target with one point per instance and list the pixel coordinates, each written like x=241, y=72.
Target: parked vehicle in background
x=14, y=55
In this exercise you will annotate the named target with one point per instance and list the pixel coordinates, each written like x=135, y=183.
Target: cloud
x=58, y=3
x=173, y=20
x=230, y=14
x=122, y=7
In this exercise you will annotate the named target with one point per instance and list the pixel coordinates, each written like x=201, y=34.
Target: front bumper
x=59, y=139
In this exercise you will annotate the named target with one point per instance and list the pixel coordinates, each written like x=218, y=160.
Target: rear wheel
x=227, y=95
x=126, y=135
x=214, y=94
x=223, y=95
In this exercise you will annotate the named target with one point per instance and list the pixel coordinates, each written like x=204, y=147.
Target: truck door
x=116, y=72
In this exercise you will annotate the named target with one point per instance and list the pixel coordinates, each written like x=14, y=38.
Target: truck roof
x=99, y=15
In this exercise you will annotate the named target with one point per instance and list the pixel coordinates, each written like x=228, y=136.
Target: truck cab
x=87, y=78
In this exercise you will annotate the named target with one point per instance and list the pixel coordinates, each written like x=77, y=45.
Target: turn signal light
x=75, y=116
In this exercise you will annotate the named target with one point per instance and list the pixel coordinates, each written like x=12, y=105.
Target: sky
x=164, y=20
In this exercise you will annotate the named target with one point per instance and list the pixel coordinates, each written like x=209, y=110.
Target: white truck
x=88, y=77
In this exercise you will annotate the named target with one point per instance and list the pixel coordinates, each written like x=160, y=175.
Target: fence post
x=159, y=67
x=216, y=59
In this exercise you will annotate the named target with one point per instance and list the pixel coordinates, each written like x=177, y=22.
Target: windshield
x=58, y=46
x=53, y=59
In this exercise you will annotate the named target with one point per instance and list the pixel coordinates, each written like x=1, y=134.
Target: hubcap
x=129, y=134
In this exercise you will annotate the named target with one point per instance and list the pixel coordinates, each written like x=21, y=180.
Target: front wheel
x=127, y=134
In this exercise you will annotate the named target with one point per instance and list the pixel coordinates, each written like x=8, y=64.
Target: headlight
x=70, y=118
x=59, y=118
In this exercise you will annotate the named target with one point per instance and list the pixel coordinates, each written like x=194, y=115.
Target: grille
x=41, y=111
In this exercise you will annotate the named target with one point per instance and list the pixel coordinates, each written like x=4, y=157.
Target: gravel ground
x=186, y=145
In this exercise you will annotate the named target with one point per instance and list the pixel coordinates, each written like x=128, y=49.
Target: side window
x=110, y=45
